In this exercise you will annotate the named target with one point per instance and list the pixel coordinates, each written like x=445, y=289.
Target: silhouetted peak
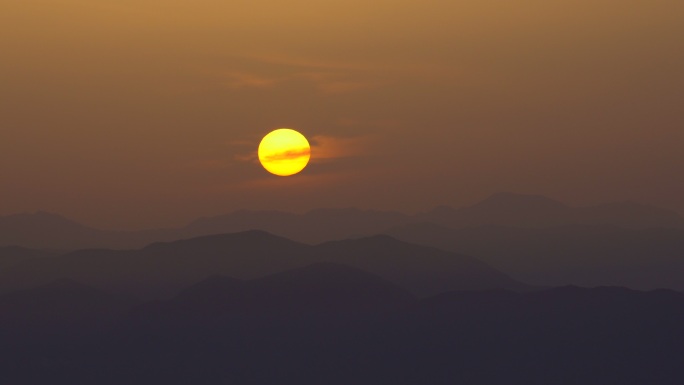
x=507, y=200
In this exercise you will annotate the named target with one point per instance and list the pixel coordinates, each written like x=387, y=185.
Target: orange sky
x=132, y=114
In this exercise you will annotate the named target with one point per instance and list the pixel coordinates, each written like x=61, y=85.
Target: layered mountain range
x=532, y=239
x=43, y=230
x=478, y=295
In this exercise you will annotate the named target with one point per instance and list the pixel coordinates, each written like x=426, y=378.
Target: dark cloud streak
x=288, y=155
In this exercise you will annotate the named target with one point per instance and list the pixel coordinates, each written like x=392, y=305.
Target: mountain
x=12, y=255
x=329, y=324
x=334, y=289
x=503, y=208
x=533, y=211
x=161, y=269
x=52, y=232
x=573, y=254
x=424, y=270
x=60, y=309
x=274, y=322
x=566, y=335
x=315, y=226
x=42, y=230
x=321, y=292
x=47, y=332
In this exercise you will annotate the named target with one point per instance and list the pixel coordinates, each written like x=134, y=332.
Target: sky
x=136, y=113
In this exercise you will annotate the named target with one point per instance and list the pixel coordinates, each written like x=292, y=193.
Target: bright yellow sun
x=284, y=152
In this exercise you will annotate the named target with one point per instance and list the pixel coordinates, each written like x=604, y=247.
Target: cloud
x=237, y=80
x=249, y=157
x=208, y=165
x=310, y=63
x=369, y=69
x=287, y=155
x=369, y=123
x=266, y=72
x=325, y=82
x=298, y=182
x=326, y=148
x=337, y=82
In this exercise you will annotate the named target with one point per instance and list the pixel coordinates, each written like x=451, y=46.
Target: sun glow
x=284, y=152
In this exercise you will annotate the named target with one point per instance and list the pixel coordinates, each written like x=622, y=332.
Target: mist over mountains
x=534, y=239
x=161, y=269
x=50, y=231
x=478, y=295
x=574, y=254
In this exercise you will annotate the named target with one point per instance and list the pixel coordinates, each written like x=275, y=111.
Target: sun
x=284, y=152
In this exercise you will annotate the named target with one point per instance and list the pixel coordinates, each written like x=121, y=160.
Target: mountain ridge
x=159, y=270
x=53, y=232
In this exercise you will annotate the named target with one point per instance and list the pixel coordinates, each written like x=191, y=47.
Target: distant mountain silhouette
x=160, y=270
x=43, y=230
x=423, y=270
x=517, y=210
x=315, y=226
x=49, y=231
x=574, y=254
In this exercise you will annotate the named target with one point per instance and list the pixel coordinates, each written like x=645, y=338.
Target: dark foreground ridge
x=332, y=324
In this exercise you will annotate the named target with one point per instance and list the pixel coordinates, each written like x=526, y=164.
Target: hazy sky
x=140, y=113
